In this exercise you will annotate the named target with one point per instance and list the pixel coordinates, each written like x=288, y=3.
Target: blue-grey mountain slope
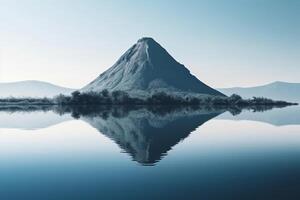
x=148, y=67
x=276, y=90
x=31, y=89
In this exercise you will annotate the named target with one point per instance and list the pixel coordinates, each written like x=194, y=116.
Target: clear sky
x=223, y=42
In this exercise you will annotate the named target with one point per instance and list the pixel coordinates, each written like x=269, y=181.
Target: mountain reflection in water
x=145, y=133
x=147, y=136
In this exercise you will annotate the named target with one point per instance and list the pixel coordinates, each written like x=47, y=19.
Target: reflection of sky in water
x=70, y=139
x=69, y=160
x=279, y=117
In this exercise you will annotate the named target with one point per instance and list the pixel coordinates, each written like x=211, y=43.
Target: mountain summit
x=148, y=67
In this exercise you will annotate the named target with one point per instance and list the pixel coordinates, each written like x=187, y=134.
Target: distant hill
x=148, y=67
x=31, y=89
x=276, y=90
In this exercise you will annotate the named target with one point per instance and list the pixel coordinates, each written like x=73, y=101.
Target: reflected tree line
x=120, y=111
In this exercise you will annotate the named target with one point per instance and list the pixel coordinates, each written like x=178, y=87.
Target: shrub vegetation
x=122, y=98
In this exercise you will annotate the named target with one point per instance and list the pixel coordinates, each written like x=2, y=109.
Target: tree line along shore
x=159, y=98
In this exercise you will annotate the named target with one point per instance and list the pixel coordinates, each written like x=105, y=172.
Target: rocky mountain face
x=148, y=67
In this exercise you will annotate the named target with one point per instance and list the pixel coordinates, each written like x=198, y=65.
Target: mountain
x=31, y=89
x=148, y=67
x=276, y=90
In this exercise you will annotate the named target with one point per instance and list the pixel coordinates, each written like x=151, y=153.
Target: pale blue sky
x=223, y=42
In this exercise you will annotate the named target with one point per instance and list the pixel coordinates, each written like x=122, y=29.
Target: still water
x=147, y=153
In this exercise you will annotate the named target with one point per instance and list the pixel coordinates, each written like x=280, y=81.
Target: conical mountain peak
x=146, y=40
x=148, y=67
x=149, y=42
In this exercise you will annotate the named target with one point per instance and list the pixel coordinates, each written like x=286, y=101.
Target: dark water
x=149, y=153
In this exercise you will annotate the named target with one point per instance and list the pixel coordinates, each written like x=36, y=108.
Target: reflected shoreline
x=78, y=110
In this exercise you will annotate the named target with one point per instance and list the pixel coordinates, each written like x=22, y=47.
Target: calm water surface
x=150, y=154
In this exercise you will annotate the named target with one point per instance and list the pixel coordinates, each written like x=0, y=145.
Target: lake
x=150, y=153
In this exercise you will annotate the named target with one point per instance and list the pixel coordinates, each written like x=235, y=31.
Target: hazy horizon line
x=68, y=87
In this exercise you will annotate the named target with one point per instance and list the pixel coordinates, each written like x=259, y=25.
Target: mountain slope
x=276, y=90
x=31, y=89
x=148, y=67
